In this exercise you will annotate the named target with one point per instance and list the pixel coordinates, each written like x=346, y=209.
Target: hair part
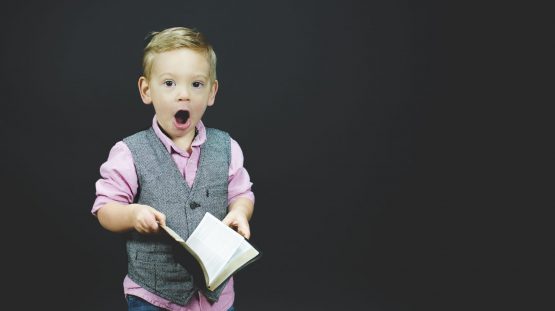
x=175, y=38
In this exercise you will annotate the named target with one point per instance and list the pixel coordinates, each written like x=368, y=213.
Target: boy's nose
x=183, y=94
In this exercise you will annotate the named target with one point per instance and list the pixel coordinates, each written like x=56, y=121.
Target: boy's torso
x=161, y=185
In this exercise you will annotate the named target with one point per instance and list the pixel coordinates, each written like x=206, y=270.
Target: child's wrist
x=238, y=212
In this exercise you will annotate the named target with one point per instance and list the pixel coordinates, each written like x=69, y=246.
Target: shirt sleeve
x=239, y=183
x=118, y=182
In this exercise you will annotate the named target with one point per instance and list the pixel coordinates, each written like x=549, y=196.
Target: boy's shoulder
x=217, y=136
x=138, y=135
x=215, y=131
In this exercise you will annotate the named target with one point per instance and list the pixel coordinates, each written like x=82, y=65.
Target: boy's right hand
x=145, y=219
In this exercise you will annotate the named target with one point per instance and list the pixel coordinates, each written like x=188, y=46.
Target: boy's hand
x=238, y=221
x=145, y=219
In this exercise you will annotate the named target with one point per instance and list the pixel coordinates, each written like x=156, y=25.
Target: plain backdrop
x=365, y=131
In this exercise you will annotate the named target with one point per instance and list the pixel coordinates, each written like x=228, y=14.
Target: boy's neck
x=184, y=142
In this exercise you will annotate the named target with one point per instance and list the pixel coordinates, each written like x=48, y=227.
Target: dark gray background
x=367, y=128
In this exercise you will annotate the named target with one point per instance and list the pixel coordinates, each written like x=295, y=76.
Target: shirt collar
x=199, y=139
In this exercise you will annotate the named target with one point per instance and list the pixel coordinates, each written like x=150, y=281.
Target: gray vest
x=151, y=257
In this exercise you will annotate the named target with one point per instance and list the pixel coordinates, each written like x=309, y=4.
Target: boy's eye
x=169, y=83
x=197, y=84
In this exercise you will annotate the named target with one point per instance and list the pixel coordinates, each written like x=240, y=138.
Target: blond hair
x=175, y=38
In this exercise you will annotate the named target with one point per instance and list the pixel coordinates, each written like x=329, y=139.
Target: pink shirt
x=119, y=183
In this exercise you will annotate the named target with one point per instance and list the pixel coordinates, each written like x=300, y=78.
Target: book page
x=214, y=244
x=242, y=255
x=219, y=249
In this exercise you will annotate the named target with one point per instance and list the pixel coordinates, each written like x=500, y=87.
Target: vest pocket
x=173, y=278
x=216, y=203
x=168, y=280
x=142, y=273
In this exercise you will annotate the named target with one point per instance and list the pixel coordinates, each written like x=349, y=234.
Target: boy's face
x=180, y=90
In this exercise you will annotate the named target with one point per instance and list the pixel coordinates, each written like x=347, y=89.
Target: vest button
x=194, y=205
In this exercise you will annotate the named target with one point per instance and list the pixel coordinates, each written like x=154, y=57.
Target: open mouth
x=182, y=116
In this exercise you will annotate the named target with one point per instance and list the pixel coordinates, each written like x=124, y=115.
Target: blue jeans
x=135, y=303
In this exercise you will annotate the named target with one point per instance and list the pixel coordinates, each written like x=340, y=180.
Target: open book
x=219, y=250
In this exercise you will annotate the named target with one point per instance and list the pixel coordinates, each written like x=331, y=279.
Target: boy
x=172, y=173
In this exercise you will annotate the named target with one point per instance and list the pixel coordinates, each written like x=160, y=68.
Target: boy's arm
x=118, y=217
x=240, y=196
x=115, y=192
x=240, y=212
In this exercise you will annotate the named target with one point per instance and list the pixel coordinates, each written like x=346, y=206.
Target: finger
x=143, y=226
x=244, y=230
x=151, y=224
x=160, y=217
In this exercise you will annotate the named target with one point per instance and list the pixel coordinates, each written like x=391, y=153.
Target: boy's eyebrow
x=194, y=76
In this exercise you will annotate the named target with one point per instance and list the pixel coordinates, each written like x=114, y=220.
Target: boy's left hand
x=237, y=220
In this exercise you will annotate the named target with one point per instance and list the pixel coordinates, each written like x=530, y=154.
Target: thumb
x=227, y=220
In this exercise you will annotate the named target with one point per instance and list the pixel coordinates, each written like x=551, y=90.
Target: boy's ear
x=213, y=91
x=144, y=90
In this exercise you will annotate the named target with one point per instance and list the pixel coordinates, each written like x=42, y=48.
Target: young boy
x=173, y=173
